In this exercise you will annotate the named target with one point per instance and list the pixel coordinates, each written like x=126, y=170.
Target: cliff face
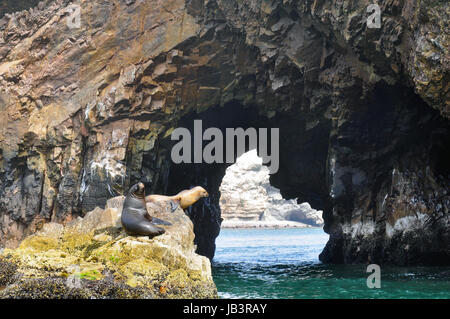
x=363, y=113
x=247, y=196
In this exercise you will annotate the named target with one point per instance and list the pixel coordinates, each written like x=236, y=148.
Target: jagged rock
x=92, y=257
x=247, y=196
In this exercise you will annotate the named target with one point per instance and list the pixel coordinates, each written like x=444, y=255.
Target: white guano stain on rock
x=407, y=223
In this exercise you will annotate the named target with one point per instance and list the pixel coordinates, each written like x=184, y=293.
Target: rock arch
x=85, y=113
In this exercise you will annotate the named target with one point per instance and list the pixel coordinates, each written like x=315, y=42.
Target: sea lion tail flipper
x=153, y=231
x=158, y=221
x=174, y=204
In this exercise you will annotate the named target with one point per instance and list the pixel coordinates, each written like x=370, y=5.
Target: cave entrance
x=261, y=230
x=303, y=151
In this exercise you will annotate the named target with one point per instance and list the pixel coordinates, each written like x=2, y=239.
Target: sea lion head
x=138, y=190
x=201, y=191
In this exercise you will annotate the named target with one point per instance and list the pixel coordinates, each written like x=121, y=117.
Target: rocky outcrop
x=363, y=112
x=247, y=196
x=92, y=257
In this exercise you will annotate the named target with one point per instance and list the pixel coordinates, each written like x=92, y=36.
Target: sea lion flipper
x=158, y=221
x=148, y=217
x=155, y=231
x=174, y=204
x=145, y=228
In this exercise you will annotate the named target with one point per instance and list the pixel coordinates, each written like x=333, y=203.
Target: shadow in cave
x=393, y=128
x=10, y=6
x=302, y=164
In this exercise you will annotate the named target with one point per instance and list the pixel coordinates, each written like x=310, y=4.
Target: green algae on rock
x=92, y=257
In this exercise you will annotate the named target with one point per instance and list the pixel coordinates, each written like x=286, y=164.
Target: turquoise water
x=283, y=263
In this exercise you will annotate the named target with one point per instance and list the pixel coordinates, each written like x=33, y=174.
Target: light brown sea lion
x=184, y=198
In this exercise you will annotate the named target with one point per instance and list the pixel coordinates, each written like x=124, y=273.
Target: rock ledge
x=93, y=257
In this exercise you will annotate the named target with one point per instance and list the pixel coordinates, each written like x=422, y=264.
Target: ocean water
x=283, y=263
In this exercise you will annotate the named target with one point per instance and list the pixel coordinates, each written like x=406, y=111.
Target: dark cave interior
x=377, y=136
x=309, y=157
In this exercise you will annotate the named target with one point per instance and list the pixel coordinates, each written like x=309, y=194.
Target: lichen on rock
x=93, y=257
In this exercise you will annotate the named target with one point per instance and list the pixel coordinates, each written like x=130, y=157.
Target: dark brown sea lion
x=135, y=217
x=184, y=198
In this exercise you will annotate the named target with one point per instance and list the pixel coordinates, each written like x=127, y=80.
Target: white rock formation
x=248, y=199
